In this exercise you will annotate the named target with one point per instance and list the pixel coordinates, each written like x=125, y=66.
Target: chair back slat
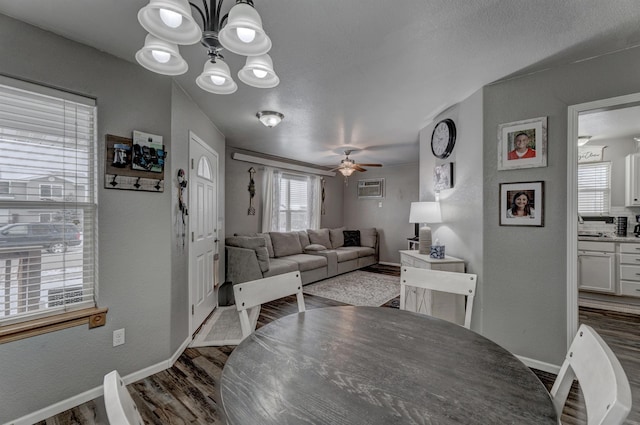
x=603, y=382
x=257, y=292
x=121, y=409
x=441, y=281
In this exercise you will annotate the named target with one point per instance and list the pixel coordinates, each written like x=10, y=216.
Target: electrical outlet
x=118, y=337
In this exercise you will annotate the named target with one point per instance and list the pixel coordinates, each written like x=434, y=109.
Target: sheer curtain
x=272, y=219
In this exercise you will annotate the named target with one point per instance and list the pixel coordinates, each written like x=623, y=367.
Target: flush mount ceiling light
x=583, y=140
x=240, y=31
x=270, y=118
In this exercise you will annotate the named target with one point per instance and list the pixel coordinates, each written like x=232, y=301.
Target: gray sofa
x=317, y=254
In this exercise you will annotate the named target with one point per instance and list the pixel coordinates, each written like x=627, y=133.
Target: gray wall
x=186, y=116
x=237, y=194
x=392, y=217
x=135, y=243
x=462, y=206
x=525, y=267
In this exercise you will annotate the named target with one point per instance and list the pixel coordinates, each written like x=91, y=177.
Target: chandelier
x=170, y=23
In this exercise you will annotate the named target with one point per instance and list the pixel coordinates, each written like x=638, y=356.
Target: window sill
x=94, y=317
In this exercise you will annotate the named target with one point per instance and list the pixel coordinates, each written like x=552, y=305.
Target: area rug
x=357, y=288
x=222, y=328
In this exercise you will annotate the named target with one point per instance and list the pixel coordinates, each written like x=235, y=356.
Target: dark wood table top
x=372, y=365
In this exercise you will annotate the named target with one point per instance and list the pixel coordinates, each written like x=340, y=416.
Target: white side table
x=442, y=305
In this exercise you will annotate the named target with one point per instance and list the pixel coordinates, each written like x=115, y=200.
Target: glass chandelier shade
x=161, y=56
x=216, y=78
x=243, y=33
x=270, y=118
x=258, y=72
x=346, y=171
x=159, y=17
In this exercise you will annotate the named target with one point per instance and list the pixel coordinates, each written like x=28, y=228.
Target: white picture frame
x=535, y=155
x=509, y=206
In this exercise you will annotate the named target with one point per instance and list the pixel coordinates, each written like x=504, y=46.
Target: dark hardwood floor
x=188, y=392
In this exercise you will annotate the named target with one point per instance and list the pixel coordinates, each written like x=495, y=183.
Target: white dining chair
x=441, y=281
x=251, y=295
x=604, y=384
x=121, y=409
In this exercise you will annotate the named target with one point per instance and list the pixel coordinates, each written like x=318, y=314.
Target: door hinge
x=192, y=163
x=193, y=309
x=192, y=237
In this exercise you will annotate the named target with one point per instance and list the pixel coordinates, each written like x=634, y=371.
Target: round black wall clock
x=443, y=138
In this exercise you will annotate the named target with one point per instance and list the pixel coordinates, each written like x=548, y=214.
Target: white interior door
x=203, y=219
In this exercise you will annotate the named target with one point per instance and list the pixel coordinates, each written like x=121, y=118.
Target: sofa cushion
x=268, y=243
x=337, y=237
x=304, y=238
x=285, y=243
x=308, y=262
x=346, y=255
x=361, y=251
x=351, y=237
x=314, y=247
x=368, y=237
x=320, y=237
x=279, y=266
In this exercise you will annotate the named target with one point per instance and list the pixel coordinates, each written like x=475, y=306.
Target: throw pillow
x=351, y=237
x=267, y=239
x=368, y=237
x=304, y=238
x=337, y=237
x=314, y=247
x=263, y=258
x=285, y=243
x=320, y=237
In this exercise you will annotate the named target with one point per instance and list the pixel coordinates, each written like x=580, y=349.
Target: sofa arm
x=241, y=265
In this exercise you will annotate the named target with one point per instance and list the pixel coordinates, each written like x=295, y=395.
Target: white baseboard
x=385, y=263
x=537, y=364
x=96, y=392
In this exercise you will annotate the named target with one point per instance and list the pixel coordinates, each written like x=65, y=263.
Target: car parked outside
x=54, y=237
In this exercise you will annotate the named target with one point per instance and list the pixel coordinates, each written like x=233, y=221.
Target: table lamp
x=427, y=213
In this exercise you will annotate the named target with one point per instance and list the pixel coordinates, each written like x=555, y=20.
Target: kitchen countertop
x=630, y=238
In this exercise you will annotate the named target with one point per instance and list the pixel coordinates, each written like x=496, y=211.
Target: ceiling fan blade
x=370, y=165
x=335, y=169
x=358, y=167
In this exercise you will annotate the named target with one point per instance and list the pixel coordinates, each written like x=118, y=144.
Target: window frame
x=604, y=166
x=288, y=177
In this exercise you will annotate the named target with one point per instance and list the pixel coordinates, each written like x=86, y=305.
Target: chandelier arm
x=218, y=11
x=202, y=15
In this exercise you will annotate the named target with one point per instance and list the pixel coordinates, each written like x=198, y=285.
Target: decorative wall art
x=252, y=191
x=522, y=204
x=443, y=176
x=119, y=170
x=590, y=154
x=522, y=144
x=148, y=152
x=323, y=211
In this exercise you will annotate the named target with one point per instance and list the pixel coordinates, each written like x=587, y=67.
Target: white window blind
x=594, y=188
x=294, y=203
x=48, y=224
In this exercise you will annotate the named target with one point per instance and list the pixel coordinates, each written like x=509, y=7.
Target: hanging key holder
x=252, y=192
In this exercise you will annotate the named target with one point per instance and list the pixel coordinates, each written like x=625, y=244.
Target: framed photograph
x=148, y=152
x=443, y=176
x=522, y=144
x=522, y=204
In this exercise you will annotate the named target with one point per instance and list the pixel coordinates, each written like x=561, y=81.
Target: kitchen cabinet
x=630, y=269
x=632, y=180
x=597, y=266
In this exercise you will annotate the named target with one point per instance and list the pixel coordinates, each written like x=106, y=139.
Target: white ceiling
x=622, y=123
x=365, y=75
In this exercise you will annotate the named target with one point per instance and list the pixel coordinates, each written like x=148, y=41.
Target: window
x=594, y=188
x=292, y=202
x=48, y=226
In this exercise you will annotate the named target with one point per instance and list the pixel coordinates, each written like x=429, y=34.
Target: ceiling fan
x=349, y=166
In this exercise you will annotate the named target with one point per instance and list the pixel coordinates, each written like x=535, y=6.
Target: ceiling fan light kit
x=348, y=166
x=270, y=118
x=170, y=23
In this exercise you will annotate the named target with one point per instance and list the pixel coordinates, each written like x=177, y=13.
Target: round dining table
x=377, y=365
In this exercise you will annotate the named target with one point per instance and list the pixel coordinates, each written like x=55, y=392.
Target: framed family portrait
x=522, y=204
x=443, y=176
x=522, y=144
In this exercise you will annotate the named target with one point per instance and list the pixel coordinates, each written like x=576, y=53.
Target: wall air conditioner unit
x=370, y=188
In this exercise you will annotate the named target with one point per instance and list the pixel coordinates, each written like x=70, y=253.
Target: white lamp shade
x=187, y=32
x=171, y=64
x=262, y=66
x=346, y=171
x=583, y=140
x=218, y=70
x=245, y=16
x=425, y=212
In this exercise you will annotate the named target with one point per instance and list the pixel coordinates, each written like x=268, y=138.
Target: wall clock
x=443, y=138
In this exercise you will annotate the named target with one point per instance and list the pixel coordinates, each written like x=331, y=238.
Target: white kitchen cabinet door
x=597, y=271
